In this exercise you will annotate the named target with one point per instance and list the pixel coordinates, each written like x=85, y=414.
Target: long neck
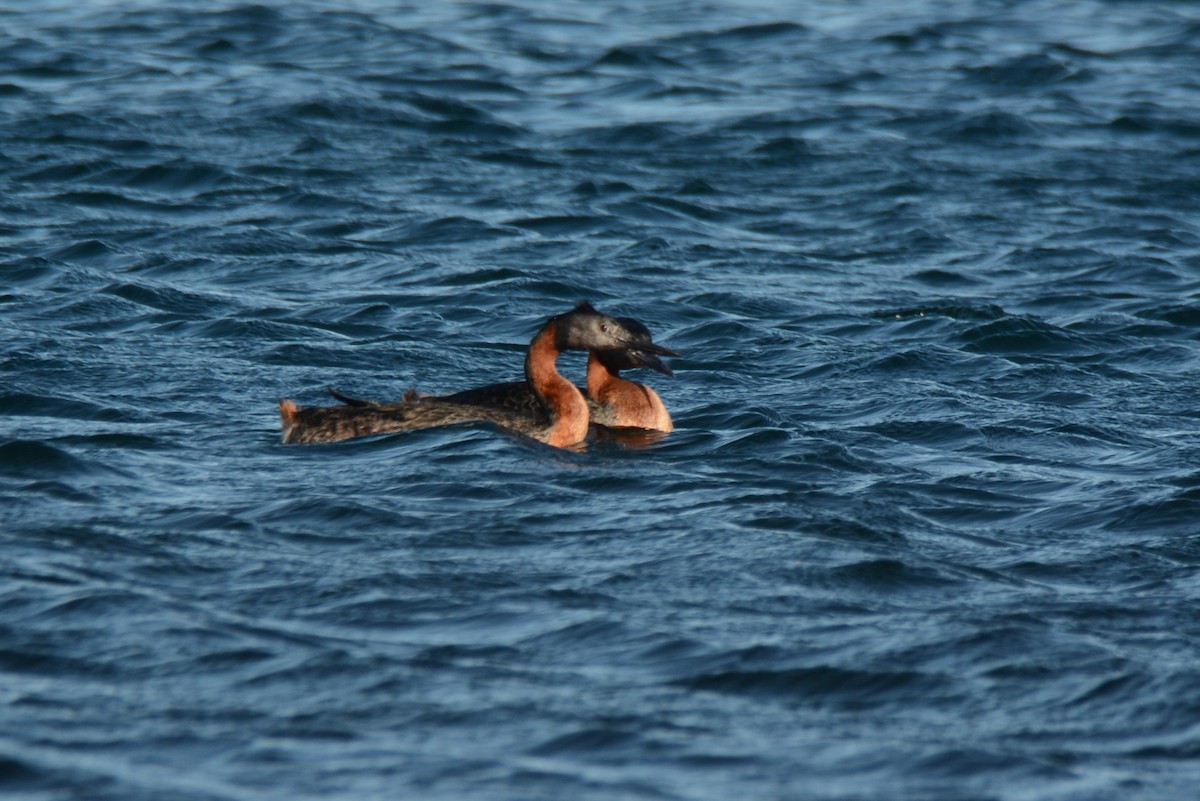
x=568, y=409
x=629, y=403
x=599, y=376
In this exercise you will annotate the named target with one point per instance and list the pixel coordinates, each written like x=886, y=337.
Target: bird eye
x=604, y=327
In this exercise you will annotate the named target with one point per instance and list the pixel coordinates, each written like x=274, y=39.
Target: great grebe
x=556, y=414
x=613, y=401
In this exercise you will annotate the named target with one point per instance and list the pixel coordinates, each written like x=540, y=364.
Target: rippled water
x=927, y=528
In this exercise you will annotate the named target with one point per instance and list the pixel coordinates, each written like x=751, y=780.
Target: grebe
x=617, y=402
x=557, y=416
x=613, y=402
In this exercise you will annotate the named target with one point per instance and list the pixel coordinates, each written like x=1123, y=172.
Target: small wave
x=890, y=575
x=591, y=742
x=1024, y=73
x=962, y=763
x=115, y=201
x=932, y=360
x=31, y=404
x=171, y=177
x=696, y=211
x=1133, y=271
x=65, y=172
x=930, y=433
x=1152, y=121
x=348, y=112
x=944, y=278
x=30, y=458
x=169, y=299
x=643, y=249
x=518, y=157
x=1173, y=511
x=859, y=689
x=626, y=136
x=1183, y=315
x=305, y=517
x=990, y=127
x=785, y=150
x=90, y=251
x=30, y=271
x=453, y=229
x=760, y=31
x=563, y=225
x=458, y=87
x=984, y=312
x=640, y=57
x=17, y=773
x=474, y=130
x=1022, y=336
x=314, y=201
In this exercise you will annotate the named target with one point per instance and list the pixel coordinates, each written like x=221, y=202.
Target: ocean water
x=929, y=525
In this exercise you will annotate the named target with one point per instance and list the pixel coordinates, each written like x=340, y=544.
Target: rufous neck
x=598, y=375
x=540, y=363
x=568, y=410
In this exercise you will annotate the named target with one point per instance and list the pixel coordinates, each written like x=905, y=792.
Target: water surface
x=927, y=527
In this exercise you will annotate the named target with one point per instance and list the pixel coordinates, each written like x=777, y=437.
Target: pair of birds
x=545, y=406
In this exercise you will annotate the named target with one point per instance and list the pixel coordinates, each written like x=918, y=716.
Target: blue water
x=929, y=525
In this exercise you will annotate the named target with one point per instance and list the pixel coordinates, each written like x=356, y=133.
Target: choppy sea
x=929, y=525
